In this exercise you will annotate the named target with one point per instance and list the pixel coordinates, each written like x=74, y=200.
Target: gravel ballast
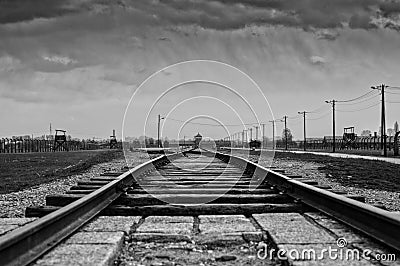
x=13, y=204
x=317, y=171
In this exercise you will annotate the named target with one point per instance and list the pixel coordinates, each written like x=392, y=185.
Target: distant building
x=186, y=143
x=130, y=139
x=396, y=127
x=197, y=140
x=366, y=133
x=22, y=137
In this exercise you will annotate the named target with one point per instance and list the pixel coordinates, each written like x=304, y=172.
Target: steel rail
x=27, y=243
x=379, y=224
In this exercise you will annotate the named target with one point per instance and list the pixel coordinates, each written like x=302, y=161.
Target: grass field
x=377, y=153
x=20, y=171
x=348, y=172
x=359, y=173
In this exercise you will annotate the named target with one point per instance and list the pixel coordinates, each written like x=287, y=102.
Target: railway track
x=189, y=184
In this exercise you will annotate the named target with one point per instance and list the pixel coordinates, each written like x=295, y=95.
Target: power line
x=364, y=100
x=351, y=111
x=393, y=87
x=392, y=92
x=207, y=124
x=318, y=109
x=320, y=117
x=294, y=117
x=357, y=98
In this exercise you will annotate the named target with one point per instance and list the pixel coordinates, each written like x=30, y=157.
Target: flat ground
x=359, y=173
x=21, y=171
x=356, y=152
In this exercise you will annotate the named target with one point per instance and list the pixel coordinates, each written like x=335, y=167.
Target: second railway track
x=189, y=184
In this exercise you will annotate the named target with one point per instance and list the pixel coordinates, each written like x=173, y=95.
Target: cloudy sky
x=77, y=63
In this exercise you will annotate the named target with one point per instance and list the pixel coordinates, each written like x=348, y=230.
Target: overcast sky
x=77, y=63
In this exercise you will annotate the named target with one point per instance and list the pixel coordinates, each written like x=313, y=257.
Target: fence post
x=396, y=143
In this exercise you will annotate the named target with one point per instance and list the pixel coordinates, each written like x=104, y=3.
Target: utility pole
x=243, y=138
x=304, y=127
x=237, y=139
x=333, y=124
x=273, y=134
x=286, y=142
x=263, y=135
x=246, y=137
x=158, y=131
x=383, y=118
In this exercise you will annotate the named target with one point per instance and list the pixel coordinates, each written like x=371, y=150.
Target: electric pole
x=263, y=135
x=286, y=140
x=333, y=124
x=383, y=118
x=243, y=138
x=304, y=128
x=273, y=134
x=158, y=131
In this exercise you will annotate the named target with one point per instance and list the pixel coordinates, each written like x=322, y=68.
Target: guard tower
x=60, y=140
x=113, y=141
x=255, y=144
x=197, y=140
x=349, y=137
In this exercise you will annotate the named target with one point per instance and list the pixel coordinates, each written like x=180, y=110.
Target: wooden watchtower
x=113, y=141
x=60, y=140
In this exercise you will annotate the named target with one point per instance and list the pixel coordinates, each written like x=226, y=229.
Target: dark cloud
x=214, y=14
x=326, y=34
x=24, y=10
x=237, y=14
x=390, y=7
x=308, y=13
x=393, y=26
x=361, y=22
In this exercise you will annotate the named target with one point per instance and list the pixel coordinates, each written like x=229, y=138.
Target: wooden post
x=396, y=143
